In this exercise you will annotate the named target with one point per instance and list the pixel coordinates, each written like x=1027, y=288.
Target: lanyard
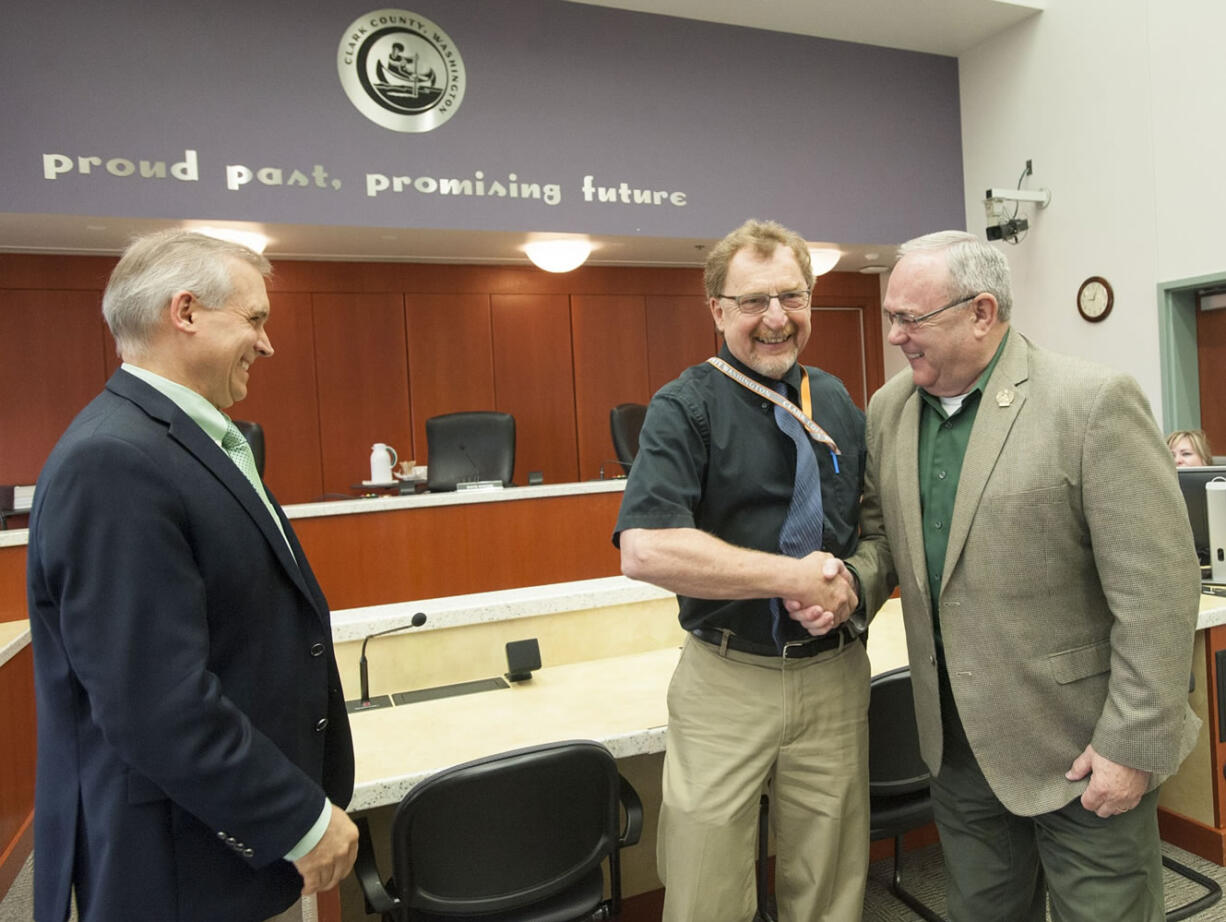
x=804, y=416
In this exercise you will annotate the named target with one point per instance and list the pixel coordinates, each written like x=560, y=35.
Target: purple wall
x=840, y=141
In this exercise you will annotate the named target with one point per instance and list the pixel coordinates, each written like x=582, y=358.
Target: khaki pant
x=737, y=721
x=302, y=911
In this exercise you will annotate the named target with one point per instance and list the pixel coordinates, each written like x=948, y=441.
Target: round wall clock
x=1095, y=299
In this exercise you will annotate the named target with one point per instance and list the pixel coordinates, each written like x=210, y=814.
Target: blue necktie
x=802, y=529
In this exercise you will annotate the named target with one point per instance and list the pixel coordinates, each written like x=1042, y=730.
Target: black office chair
x=469, y=447
x=899, y=797
x=515, y=837
x=254, y=434
x=625, y=421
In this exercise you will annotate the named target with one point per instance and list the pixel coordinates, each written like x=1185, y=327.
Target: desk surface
x=619, y=701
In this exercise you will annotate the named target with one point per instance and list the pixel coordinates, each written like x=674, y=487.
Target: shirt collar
x=980, y=382
x=791, y=377
x=204, y=414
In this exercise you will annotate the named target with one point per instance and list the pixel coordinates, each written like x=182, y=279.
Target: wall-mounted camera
x=1001, y=207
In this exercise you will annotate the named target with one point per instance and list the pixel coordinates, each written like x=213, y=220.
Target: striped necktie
x=801, y=533
x=235, y=444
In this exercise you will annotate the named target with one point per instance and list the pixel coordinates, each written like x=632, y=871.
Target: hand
x=1113, y=789
x=833, y=600
x=323, y=867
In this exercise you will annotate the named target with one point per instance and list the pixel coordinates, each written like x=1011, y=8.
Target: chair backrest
x=467, y=447
x=625, y=421
x=506, y=831
x=254, y=434
x=895, y=765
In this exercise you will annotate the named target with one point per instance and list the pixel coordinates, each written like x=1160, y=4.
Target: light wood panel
x=52, y=366
x=282, y=396
x=361, y=366
x=451, y=359
x=609, y=334
x=534, y=382
x=380, y=557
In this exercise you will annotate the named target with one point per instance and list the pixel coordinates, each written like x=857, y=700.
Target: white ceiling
x=935, y=26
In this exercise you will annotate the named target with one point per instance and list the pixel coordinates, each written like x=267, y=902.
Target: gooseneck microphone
x=476, y=478
x=417, y=621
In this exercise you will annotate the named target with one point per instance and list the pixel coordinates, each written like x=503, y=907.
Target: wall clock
x=1095, y=299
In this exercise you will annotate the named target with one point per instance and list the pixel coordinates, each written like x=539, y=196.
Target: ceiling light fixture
x=559, y=255
x=250, y=239
x=823, y=259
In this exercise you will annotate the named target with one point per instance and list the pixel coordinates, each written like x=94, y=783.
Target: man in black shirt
x=726, y=475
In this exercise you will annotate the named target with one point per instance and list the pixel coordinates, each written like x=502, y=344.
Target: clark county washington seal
x=401, y=70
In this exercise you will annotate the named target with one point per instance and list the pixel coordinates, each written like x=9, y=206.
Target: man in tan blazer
x=1027, y=508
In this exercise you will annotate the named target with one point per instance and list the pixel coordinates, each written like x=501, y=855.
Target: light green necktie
x=235, y=444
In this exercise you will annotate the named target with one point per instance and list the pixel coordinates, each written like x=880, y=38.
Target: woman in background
x=1190, y=448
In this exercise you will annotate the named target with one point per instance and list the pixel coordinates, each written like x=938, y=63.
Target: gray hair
x=156, y=266
x=973, y=265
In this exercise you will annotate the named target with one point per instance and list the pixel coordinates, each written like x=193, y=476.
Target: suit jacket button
x=317, y=649
x=248, y=853
x=321, y=725
x=222, y=836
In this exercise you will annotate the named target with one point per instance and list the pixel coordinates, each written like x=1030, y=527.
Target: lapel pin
x=1004, y=397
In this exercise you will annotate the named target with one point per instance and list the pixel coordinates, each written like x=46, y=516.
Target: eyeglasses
x=907, y=322
x=760, y=302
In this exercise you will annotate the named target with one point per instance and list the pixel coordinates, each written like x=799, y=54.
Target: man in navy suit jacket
x=193, y=745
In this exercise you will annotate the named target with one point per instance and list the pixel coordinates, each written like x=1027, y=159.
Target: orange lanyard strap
x=804, y=416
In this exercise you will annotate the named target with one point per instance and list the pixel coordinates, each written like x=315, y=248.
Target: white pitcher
x=382, y=459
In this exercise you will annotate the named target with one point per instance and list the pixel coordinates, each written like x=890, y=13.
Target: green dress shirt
x=943, y=437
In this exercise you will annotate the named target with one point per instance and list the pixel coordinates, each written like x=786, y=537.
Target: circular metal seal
x=401, y=70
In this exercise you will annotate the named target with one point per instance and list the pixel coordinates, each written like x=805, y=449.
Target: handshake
x=833, y=597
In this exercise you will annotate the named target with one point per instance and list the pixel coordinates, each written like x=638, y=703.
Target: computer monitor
x=1192, y=482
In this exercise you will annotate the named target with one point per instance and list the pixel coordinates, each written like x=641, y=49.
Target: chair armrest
x=634, y=813
x=378, y=900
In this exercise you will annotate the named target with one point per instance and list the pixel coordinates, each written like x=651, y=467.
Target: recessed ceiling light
x=95, y=227
x=823, y=259
x=559, y=255
x=874, y=270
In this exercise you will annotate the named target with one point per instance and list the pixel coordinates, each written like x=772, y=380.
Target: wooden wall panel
x=17, y=756
x=1211, y=359
x=609, y=333
x=13, y=583
x=534, y=382
x=457, y=355
x=680, y=333
x=52, y=367
x=838, y=344
x=68, y=273
x=451, y=359
x=401, y=555
x=362, y=371
x=282, y=396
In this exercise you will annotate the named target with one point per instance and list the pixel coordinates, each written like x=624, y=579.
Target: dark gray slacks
x=1002, y=867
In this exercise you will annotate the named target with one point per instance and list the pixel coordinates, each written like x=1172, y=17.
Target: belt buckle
x=842, y=637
